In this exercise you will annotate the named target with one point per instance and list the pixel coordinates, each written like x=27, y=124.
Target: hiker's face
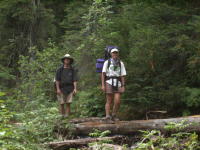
x=67, y=61
x=115, y=55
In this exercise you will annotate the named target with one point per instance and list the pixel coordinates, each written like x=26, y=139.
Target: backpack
x=100, y=61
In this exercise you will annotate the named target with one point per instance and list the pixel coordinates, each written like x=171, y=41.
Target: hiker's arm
x=123, y=81
x=103, y=80
x=58, y=79
x=103, y=75
x=123, y=74
x=75, y=87
x=58, y=87
x=75, y=79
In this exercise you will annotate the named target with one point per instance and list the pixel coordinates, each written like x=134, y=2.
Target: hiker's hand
x=59, y=92
x=123, y=88
x=75, y=91
x=103, y=88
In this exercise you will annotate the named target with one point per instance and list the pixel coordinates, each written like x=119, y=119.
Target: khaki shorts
x=111, y=90
x=63, y=99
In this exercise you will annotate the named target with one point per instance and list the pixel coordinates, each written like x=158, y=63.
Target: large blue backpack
x=100, y=61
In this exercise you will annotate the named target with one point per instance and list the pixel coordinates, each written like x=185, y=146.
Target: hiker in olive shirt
x=66, y=84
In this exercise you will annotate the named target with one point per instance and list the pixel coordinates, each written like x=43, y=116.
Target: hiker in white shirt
x=113, y=83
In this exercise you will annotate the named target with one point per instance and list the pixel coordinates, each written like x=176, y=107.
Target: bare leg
x=116, y=103
x=62, y=109
x=109, y=98
x=68, y=109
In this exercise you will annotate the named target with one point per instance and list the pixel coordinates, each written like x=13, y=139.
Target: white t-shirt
x=113, y=72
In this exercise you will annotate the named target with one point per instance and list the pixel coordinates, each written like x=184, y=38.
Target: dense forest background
x=159, y=43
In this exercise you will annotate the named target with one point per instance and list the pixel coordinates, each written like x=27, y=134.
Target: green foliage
x=178, y=140
x=98, y=133
x=155, y=140
x=177, y=126
x=24, y=24
x=37, y=78
x=99, y=145
x=26, y=130
x=5, y=76
x=86, y=99
x=72, y=24
x=157, y=49
x=192, y=97
x=95, y=23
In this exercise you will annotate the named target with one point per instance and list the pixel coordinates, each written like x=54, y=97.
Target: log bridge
x=119, y=129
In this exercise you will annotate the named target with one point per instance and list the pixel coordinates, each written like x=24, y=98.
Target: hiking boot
x=66, y=116
x=114, y=118
x=108, y=117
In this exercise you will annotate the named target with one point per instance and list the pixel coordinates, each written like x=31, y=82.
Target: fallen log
x=191, y=123
x=63, y=145
x=81, y=120
x=130, y=127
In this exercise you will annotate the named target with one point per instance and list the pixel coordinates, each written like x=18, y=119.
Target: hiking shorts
x=63, y=99
x=111, y=90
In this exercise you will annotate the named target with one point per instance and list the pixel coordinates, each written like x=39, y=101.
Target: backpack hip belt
x=114, y=77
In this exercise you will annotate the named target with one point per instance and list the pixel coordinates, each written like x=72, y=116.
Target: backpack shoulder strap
x=59, y=72
x=120, y=66
x=73, y=70
x=109, y=62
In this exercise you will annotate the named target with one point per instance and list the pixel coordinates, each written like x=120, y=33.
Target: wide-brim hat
x=68, y=57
